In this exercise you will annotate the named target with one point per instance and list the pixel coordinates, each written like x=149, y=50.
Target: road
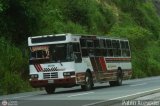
x=101, y=95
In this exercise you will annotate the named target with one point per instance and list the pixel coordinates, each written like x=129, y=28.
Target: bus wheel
x=119, y=78
x=50, y=89
x=118, y=82
x=88, y=82
x=112, y=83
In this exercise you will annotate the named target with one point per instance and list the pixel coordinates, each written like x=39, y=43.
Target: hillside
x=137, y=20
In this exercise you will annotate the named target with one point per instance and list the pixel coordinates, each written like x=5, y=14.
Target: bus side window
x=83, y=42
x=127, y=45
x=125, y=48
x=84, y=52
x=96, y=47
x=77, y=53
x=102, y=43
x=96, y=43
x=76, y=47
x=90, y=44
x=122, y=44
x=119, y=49
x=102, y=49
x=109, y=47
x=116, y=48
x=77, y=57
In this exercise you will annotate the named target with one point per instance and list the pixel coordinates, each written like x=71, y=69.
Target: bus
x=68, y=60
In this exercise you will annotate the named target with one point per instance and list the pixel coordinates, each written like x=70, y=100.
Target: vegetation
x=137, y=20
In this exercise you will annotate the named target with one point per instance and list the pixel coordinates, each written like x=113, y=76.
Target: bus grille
x=50, y=75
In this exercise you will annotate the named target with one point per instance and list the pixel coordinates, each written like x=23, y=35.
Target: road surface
x=101, y=95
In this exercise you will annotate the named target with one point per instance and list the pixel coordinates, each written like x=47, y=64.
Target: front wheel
x=88, y=82
x=50, y=89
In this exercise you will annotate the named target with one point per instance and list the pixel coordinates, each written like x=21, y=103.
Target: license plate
x=50, y=81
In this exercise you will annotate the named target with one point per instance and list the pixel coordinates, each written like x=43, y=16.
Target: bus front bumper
x=55, y=82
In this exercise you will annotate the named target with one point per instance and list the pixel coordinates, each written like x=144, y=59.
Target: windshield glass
x=39, y=52
x=53, y=53
x=61, y=52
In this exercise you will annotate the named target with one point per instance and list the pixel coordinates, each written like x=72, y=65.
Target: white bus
x=67, y=60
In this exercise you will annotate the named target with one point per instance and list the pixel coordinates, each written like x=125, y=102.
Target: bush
x=138, y=74
x=13, y=83
x=146, y=20
x=101, y=20
x=154, y=58
x=153, y=68
x=58, y=16
x=138, y=38
x=12, y=67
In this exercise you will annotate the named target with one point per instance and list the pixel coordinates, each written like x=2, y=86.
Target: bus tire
x=88, y=82
x=119, y=79
x=50, y=89
x=112, y=83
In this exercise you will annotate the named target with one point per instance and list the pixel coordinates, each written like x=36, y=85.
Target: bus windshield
x=39, y=52
x=61, y=52
x=55, y=52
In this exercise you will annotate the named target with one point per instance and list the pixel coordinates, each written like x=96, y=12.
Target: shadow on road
x=80, y=90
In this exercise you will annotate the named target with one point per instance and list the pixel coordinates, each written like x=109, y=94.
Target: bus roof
x=64, y=38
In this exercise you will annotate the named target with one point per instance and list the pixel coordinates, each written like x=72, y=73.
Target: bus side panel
x=123, y=63
x=81, y=68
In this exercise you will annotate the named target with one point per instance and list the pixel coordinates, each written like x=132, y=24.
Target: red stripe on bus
x=103, y=64
x=36, y=67
x=40, y=67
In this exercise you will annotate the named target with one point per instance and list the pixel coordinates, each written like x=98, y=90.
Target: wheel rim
x=88, y=82
x=119, y=80
x=120, y=77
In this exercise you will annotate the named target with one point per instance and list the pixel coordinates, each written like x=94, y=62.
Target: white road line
x=18, y=97
x=135, y=94
x=121, y=97
x=144, y=79
x=23, y=96
x=80, y=94
x=138, y=84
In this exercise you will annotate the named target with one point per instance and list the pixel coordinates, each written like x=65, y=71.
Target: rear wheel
x=50, y=89
x=112, y=83
x=88, y=82
x=118, y=82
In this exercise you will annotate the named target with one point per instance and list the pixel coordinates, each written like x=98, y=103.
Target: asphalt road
x=100, y=95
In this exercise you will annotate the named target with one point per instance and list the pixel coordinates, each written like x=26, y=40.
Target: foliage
x=138, y=38
x=141, y=11
x=15, y=21
x=13, y=67
x=140, y=27
x=13, y=83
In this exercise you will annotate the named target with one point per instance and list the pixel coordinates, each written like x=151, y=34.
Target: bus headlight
x=34, y=75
